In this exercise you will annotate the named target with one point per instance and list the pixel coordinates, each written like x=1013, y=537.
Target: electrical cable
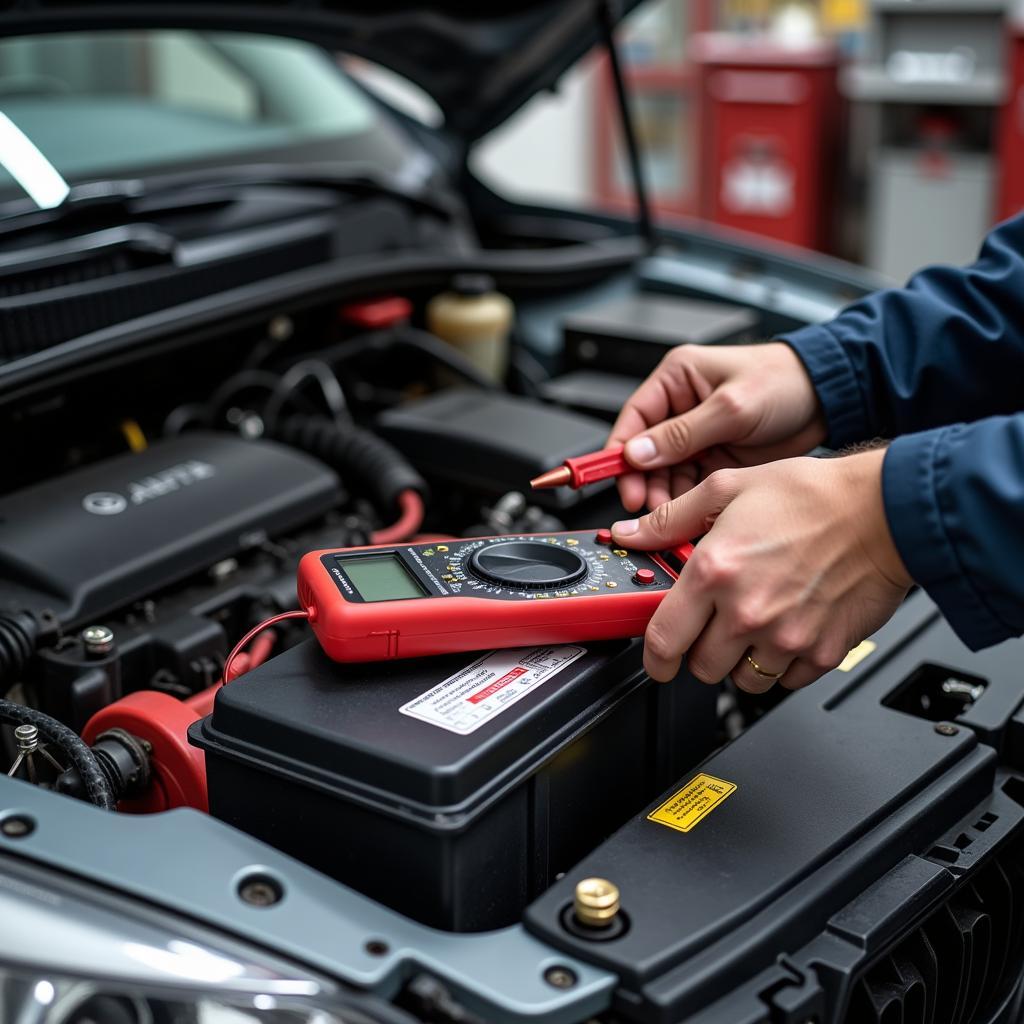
x=240, y=381
x=406, y=525
x=330, y=387
x=70, y=744
x=262, y=647
x=180, y=417
x=229, y=663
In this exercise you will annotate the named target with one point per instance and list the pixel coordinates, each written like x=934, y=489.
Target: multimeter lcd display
x=381, y=578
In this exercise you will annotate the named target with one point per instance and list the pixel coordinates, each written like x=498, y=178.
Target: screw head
x=560, y=977
x=260, y=891
x=17, y=826
x=946, y=729
x=597, y=902
x=98, y=639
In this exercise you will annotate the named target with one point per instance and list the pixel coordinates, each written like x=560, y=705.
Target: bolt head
x=260, y=891
x=560, y=977
x=17, y=826
x=946, y=729
x=98, y=639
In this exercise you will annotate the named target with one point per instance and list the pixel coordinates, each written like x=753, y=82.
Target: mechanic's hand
x=796, y=568
x=737, y=405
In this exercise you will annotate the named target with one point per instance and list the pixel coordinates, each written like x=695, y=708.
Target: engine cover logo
x=104, y=503
x=167, y=481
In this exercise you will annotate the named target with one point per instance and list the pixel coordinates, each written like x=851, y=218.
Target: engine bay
x=779, y=858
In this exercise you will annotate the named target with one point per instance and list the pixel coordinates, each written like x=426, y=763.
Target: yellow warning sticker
x=857, y=655
x=694, y=802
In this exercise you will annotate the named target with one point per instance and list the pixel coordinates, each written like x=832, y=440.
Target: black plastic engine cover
x=97, y=538
x=493, y=443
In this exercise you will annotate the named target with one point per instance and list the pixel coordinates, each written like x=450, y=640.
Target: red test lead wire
x=585, y=469
x=228, y=674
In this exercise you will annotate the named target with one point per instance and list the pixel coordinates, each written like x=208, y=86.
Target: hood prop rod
x=645, y=221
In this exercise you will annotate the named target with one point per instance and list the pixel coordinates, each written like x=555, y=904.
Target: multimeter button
x=604, y=537
x=644, y=577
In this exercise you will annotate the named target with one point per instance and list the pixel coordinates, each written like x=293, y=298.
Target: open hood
x=481, y=61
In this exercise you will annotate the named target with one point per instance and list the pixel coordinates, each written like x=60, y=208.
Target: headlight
x=42, y=1001
x=72, y=954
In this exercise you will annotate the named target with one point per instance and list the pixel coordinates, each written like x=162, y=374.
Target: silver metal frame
x=193, y=864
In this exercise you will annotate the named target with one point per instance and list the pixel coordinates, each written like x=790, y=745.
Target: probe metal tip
x=552, y=478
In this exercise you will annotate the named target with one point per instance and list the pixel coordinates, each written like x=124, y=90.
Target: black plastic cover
x=458, y=831
x=631, y=335
x=492, y=442
x=85, y=543
x=834, y=788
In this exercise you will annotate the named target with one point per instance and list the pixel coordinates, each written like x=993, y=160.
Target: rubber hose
x=379, y=466
x=18, y=632
x=69, y=743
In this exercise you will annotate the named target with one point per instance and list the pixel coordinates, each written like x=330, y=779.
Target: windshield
x=103, y=104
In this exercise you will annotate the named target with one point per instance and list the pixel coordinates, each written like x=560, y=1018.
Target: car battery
x=454, y=788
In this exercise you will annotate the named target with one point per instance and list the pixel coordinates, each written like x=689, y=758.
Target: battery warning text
x=491, y=684
x=691, y=804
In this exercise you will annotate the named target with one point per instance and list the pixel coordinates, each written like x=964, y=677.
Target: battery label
x=490, y=685
x=697, y=799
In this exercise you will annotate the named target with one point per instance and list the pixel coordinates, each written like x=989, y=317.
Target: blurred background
x=884, y=131
x=887, y=132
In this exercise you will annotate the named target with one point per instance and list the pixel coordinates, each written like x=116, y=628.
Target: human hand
x=739, y=405
x=796, y=568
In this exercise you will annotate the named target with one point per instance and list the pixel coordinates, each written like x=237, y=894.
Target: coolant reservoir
x=475, y=319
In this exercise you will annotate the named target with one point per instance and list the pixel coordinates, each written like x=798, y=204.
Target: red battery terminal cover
x=377, y=314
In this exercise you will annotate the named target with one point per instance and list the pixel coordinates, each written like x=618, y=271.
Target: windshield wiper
x=133, y=197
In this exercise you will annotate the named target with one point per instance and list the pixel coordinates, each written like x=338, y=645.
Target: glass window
x=96, y=102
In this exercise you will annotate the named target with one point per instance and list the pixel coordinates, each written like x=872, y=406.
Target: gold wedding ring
x=773, y=676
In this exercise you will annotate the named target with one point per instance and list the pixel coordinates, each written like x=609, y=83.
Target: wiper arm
x=131, y=197
x=26, y=163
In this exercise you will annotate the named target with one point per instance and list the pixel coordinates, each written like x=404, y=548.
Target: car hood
x=480, y=61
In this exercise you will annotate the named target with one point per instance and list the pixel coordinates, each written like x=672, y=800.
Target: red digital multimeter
x=405, y=601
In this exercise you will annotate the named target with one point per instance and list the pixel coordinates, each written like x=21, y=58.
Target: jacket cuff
x=835, y=381
x=913, y=475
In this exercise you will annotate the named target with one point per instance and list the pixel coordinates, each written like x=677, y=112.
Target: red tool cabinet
x=1011, y=130
x=772, y=126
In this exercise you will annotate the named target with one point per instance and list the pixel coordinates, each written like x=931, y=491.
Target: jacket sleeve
x=954, y=499
x=948, y=347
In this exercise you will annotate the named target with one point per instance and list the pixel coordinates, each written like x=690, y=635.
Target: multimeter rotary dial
x=528, y=564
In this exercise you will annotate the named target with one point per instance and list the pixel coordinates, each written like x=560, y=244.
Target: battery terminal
x=597, y=902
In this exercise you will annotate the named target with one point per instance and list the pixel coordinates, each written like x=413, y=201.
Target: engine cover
x=97, y=538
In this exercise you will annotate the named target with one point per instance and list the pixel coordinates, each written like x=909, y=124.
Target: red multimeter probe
x=413, y=600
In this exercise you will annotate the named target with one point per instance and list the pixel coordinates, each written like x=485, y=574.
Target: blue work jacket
x=939, y=367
